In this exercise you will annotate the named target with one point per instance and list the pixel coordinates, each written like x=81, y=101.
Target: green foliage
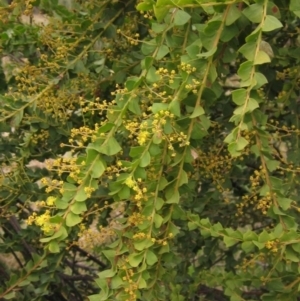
x=149, y=150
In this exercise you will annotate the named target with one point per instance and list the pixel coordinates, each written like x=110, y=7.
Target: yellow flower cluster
x=193, y=86
x=264, y=203
x=139, y=235
x=212, y=161
x=272, y=245
x=160, y=119
x=136, y=219
x=83, y=134
x=68, y=165
x=89, y=191
x=93, y=237
x=132, y=286
x=119, y=90
x=140, y=193
x=49, y=202
x=40, y=137
x=52, y=184
x=187, y=68
x=132, y=127
x=42, y=221
x=143, y=137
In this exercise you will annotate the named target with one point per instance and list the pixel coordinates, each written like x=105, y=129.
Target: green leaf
x=296, y=247
x=254, y=12
x=207, y=54
x=284, y=203
x=162, y=183
x=248, y=50
x=291, y=255
x=98, y=169
x=271, y=23
x=261, y=58
x=91, y=155
x=239, y=96
x=231, y=136
x=183, y=178
x=60, y=204
x=124, y=193
x=160, y=12
x=145, y=159
x=229, y=32
x=81, y=195
x=80, y=67
x=247, y=246
x=17, y=119
x=264, y=236
x=233, y=14
x=53, y=246
x=198, y=111
x=163, y=50
x=241, y=143
x=151, y=258
x=157, y=107
x=158, y=28
x=230, y=241
x=134, y=106
x=61, y=234
x=142, y=283
x=158, y=220
x=116, y=282
x=73, y=219
x=192, y=226
x=144, y=6
x=159, y=203
x=194, y=49
x=135, y=259
x=110, y=147
x=277, y=211
x=143, y=244
x=107, y=274
x=181, y=17
x=272, y=164
x=136, y=151
x=56, y=219
x=260, y=245
x=245, y=70
x=132, y=82
x=147, y=62
x=261, y=80
x=295, y=7
x=233, y=149
x=172, y=197
x=10, y=296
x=149, y=47
x=152, y=76
x=173, y=228
x=252, y=105
x=78, y=207
x=174, y=107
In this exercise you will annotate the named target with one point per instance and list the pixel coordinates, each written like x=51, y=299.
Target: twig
x=91, y=257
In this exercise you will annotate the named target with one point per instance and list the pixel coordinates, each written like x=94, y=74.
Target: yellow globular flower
x=130, y=182
x=142, y=137
x=42, y=219
x=50, y=201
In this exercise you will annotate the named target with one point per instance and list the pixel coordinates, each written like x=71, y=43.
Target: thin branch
x=89, y=256
x=77, y=277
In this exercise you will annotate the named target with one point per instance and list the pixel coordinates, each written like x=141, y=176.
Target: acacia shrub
x=150, y=150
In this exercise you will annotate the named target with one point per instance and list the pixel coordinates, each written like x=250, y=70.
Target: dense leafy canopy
x=149, y=150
